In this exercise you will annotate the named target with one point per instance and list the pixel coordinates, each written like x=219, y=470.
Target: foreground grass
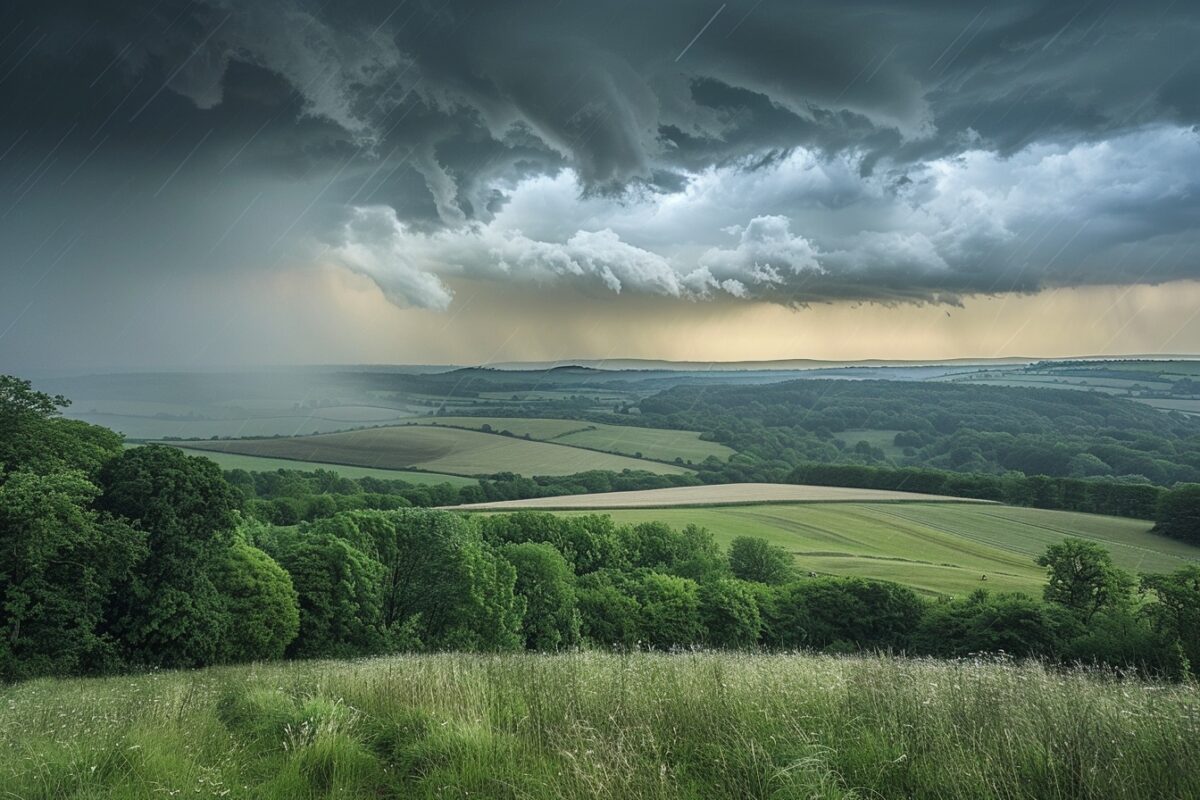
x=603, y=726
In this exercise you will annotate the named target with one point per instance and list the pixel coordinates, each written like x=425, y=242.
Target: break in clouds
x=756, y=149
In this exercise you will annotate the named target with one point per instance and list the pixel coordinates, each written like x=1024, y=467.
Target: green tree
x=1179, y=513
x=547, y=584
x=440, y=580
x=589, y=542
x=261, y=604
x=608, y=612
x=755, y=559
x=58, y=563
x=1175, y=610
x=985, y=623
x=170, y=613
x=729, y=613
x=844, y=613
x=34, y=438
x=1080, y=576
x=688, y=553
x=337, y=586
x=668, y=610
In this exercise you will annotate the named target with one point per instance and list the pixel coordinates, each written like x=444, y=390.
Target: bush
x=754, y=559
x=729, y=613
x=338, y=590
x=668, y=610
x=547, y=585
x=845, y=612
x=262, y=606
x=992, y=623
x=608, y=615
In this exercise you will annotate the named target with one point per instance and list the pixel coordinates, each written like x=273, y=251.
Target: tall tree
x=546, y=583
x=1175, y=611
x=1080, y=575
x=261, y=603
x=1179, y=513
x=171, y=613
x=34, y=438
x=58, y=564
x=338, y=591
x=755, y=559
x=441, y=581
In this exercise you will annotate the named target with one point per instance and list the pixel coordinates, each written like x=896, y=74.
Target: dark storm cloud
x=790, y=151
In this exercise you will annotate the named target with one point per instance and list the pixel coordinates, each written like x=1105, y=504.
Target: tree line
x=1176, y=511
x=288, y=497
x=955, y=427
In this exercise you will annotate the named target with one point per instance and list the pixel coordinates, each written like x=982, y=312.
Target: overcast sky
x=219, y=182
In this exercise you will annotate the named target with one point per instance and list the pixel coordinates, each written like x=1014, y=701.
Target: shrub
x=262, y=606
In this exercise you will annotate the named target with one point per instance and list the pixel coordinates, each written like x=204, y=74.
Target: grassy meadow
x=936, y=548
x=724, y=494
x=260, y=464
x=454, y=451
x=591, y=725
x=655, y=443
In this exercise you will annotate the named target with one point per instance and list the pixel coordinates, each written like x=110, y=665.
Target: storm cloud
x=795, y=153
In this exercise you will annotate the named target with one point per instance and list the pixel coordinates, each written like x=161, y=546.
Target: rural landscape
x=460, y=399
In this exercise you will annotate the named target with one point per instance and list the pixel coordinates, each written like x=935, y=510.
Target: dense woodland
x=962, y=428
x=117, y=558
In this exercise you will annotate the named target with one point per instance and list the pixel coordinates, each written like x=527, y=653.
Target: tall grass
x=603, y=726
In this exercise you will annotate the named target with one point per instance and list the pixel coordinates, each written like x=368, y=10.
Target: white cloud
x=373, y=243
x=803, y=222
x=765, y=252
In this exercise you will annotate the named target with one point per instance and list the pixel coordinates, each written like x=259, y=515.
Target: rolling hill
x=436, y=449
x=935, y=547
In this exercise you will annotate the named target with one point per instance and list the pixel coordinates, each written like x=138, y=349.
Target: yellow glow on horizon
x=340, y=317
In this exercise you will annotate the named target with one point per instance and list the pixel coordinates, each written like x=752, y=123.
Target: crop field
x=932, y=547
x=720, y=726
x=652, y=443
x=259, y=464
x=236, y=422
x=727, y=494
x=435, y=449
x=1184, y=405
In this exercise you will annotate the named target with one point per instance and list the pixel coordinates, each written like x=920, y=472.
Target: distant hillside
x=959, y=426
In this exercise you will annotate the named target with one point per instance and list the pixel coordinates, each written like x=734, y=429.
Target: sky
x=190, y=183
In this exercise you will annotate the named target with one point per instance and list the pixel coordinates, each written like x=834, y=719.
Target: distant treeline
x=956, y=427
x=1136, y=500
x=287, y=497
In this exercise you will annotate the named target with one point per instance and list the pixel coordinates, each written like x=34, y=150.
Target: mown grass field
x=654, y=443
x=932, y=547
x=722, y=494
x=259, y=464
x=591, y=725
x=437, y=449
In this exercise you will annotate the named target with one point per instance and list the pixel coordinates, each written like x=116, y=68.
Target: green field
x=652, y=443
x=717, y=726
x=932, y=547
x=436, y=449
x=259, y=464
